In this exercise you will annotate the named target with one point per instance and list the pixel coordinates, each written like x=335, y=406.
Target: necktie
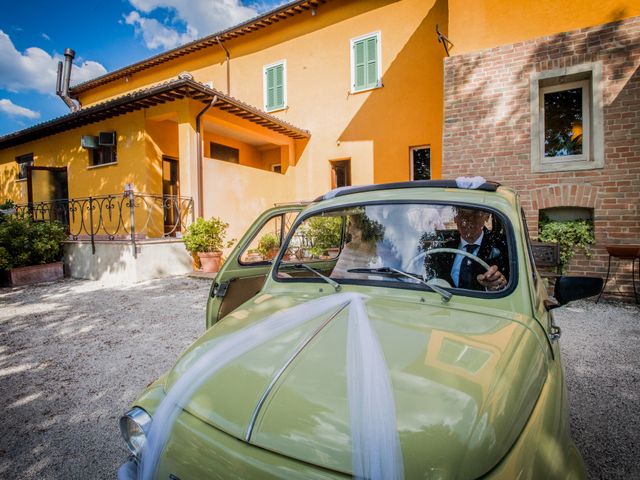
x=466, y=280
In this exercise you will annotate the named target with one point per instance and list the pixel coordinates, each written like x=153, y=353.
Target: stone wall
x=488, y=131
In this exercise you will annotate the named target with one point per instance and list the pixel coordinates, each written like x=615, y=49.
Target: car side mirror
x=568, y=289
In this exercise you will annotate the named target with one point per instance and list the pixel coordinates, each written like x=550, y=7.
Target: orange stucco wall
x=64, y=150
x=134, y=165
x=482, y=24
x=374, y=129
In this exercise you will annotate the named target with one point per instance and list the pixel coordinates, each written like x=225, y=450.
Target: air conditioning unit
x=89, y=141
x=107, y=139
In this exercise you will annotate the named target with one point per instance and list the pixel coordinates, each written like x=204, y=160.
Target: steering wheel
x=440, y=281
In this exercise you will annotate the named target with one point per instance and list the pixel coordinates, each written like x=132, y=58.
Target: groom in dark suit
x=473, y=237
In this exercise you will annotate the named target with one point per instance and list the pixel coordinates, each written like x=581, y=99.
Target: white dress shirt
x=457, y=262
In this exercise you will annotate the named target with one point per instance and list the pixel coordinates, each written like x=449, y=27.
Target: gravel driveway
x=74, y=354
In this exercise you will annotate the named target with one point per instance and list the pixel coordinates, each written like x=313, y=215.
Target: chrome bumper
x=128, y=470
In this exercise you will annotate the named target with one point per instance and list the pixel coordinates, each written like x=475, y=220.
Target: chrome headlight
x=134, y=426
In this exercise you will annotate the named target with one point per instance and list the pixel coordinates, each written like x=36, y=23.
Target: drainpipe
x=200, y=154
x=64, y=77
x=228, y=67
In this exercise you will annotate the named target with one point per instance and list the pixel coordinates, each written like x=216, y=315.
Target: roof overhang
x=150, y=97
x=258, y=23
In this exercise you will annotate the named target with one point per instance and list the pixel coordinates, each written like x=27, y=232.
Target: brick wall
x=487, y=131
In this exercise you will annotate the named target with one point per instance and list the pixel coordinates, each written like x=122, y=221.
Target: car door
x=244, y=273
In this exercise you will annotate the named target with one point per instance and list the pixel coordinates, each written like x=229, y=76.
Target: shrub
x=268, y=242
x=207, y=236
x=569, y=234
x=7, y=205
x=324, y=233
x=25, y=242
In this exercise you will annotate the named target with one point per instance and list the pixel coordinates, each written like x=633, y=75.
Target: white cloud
x=157, y=35
x=46, y=37
x=36, y=70
x=10, y=108
x=202, y=17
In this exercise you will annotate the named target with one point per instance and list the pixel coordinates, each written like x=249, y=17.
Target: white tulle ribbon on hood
x=470, y=182
x=376, y=444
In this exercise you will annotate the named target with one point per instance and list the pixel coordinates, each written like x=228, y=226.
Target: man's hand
x=492, y=279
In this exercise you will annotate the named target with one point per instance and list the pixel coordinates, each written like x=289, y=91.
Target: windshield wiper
x=331, y=282
x=394, y=272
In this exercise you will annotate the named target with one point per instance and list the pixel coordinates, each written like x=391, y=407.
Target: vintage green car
x=401, y=331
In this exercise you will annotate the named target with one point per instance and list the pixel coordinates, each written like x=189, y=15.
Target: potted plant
x=30, y=251
x=206, y=238
x=325, y=234
x=268, y=245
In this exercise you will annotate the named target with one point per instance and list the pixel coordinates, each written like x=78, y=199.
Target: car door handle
x=554, y=333
x=220, y=290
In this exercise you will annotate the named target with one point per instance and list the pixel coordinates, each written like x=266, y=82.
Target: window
x=23, y=162
x=276, y=168
x=365, y=62
x=566, y=110
x=266, y=243
x=372, y=242
x=340, y=173
x=564, y=113
x=420, y=158
x=102, y=148
x=224, y=153
x=275, y=86
x=103, y=155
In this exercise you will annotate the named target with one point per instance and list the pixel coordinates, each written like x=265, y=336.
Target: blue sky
x=105, y=34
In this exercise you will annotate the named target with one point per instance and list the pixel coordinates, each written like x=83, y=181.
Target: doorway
x=171, y=195
x=340, y=173
x=48, y=193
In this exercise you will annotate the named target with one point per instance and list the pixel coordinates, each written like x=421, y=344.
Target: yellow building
x=312, y=95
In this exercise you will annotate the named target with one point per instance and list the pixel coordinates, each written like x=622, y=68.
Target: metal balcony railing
x=129, y=216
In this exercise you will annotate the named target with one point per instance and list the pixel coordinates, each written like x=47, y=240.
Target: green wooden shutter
x=372, y=62
x=279, y=86
x=359, y=66
x=365, y=63
x=270, y=88
x=275, y=87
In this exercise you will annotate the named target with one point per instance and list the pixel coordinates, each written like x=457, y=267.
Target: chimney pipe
x=64, y=77
x=59, y=80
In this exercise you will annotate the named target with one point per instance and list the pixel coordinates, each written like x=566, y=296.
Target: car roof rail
x=341, y=191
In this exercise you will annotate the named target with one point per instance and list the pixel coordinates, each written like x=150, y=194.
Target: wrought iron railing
x=129, y=216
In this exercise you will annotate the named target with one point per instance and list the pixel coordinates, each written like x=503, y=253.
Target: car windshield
x=460, y=247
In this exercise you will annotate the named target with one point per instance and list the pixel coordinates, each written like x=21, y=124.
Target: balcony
x=121, y=238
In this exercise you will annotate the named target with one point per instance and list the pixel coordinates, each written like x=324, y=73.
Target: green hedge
x=25, y=242
x=569, y=234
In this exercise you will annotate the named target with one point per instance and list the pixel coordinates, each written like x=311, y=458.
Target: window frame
x=101, y=152
x=593, y=123
x=411, y=166
x=352, y=43
x=340, y=163
x=586, y=121
x=282, y=235
x=514, y=268
x=21, y=160
x=265, y=86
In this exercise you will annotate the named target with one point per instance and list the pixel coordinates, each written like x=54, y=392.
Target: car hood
x=464, y=383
